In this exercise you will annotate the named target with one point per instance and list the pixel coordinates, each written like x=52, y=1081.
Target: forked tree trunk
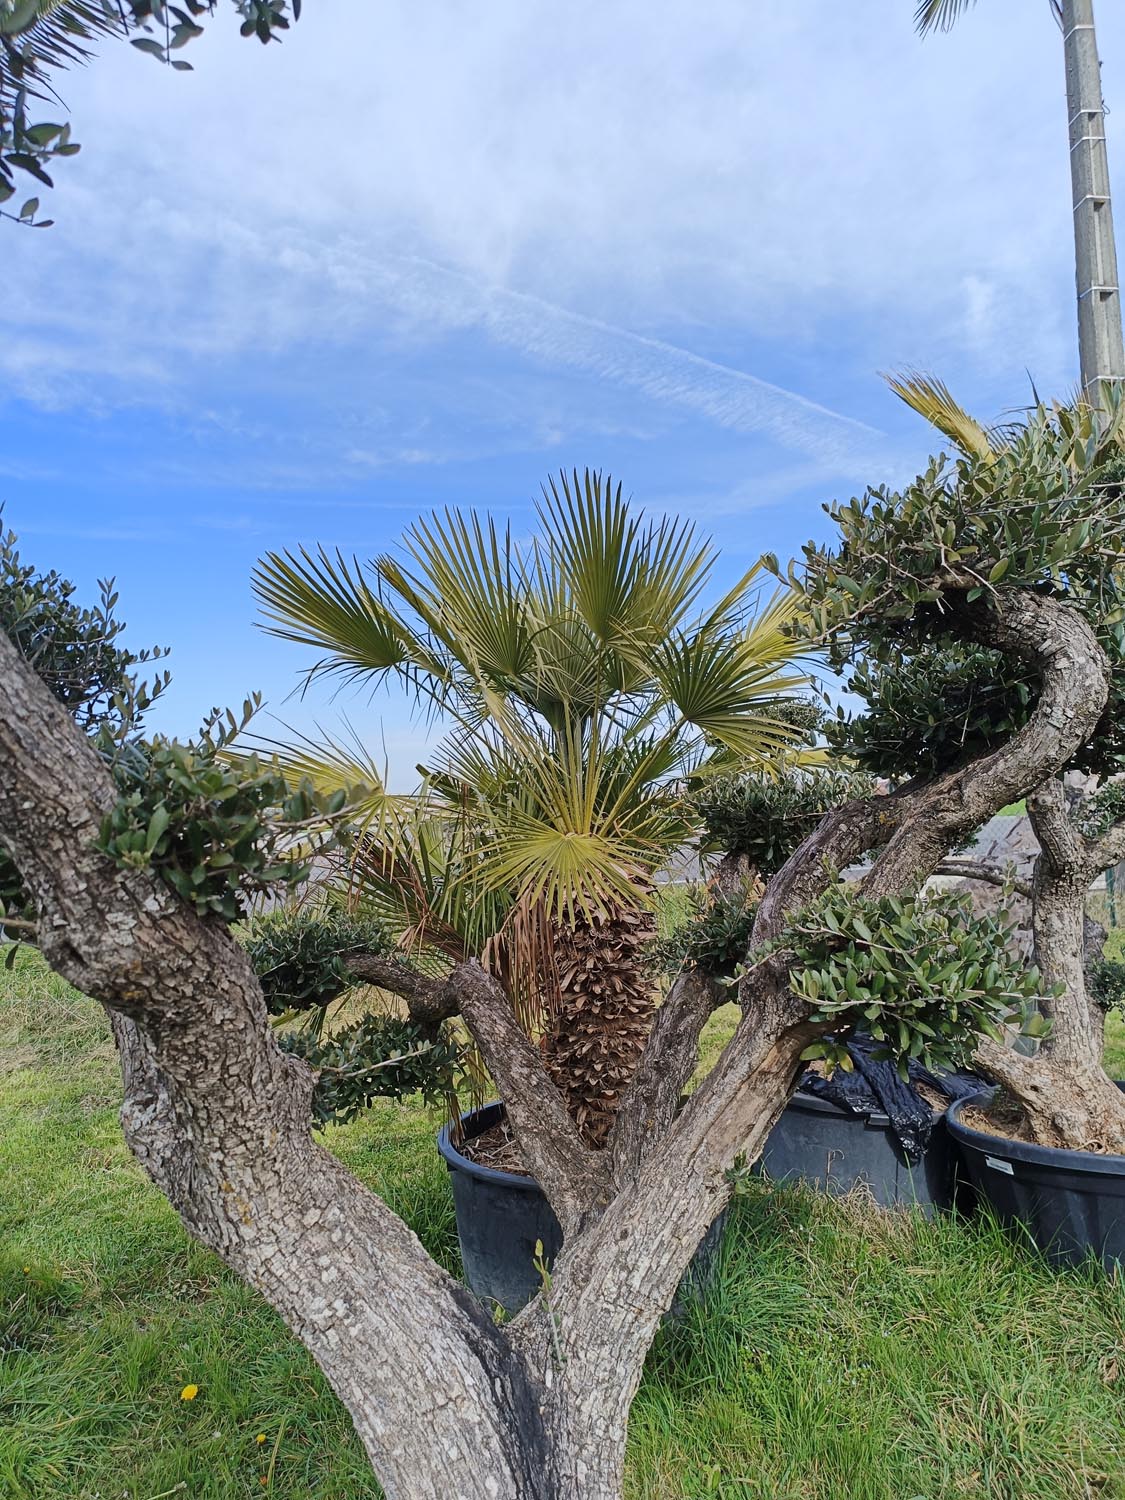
x=447, y=1405
x=1067, y=1097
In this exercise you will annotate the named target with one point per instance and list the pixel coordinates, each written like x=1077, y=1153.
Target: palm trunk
x=602, y=1015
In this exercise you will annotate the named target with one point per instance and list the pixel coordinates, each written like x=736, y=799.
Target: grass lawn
x=841, y=1355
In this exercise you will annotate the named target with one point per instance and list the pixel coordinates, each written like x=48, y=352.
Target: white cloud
x=636, y=194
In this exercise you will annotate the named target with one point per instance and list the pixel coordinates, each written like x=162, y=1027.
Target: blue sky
x=426, y=252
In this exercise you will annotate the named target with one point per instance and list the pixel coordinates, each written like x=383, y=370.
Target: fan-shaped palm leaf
x=627, y=580
x=932, y=399
x=939, y=15
x=38, y=37
x=470, y=592
x=326, y=603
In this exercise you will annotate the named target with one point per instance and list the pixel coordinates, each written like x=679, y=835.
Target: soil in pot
x=1071, y=1204
x=502, y=1213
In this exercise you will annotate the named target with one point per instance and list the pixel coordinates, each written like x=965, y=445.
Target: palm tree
x=587, y=687
x=1101, y=352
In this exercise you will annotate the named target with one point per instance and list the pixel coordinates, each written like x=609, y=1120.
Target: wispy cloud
x=413, y=296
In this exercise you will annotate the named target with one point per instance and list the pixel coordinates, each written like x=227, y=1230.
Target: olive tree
x=446, y=1402
x=38, y=38
x=1029, y=516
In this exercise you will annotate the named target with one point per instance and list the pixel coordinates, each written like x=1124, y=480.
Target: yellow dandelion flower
x=260, y=1439
x=189, y=1393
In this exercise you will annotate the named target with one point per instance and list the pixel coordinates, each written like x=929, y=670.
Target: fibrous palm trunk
x=602, y=1013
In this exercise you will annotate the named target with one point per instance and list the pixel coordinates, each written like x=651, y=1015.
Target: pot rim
x=1093, y=1163
x=519, y=1182
x=876, y=1120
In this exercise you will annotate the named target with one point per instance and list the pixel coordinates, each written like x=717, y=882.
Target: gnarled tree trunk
x=447, y=1405
x=1064, y=1091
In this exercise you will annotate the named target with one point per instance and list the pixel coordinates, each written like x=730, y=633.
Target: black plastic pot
x=1070, y=1203
x=817, y=1142
x=501, y=1215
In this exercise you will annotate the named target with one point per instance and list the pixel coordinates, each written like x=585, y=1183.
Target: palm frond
x=728, y=687
x=470, y=592
x=932, y=399
x=939, y=15
x=626, y=580
x=41, y=36
x=325, y=602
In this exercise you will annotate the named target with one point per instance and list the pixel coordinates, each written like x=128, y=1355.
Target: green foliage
x=1100, y=812
x=298, y=954
x=1040, y=514
x=75, y=651
x=378, y=1057
x=765, y=817
x=897, y=597
x=40, y=37
x=78, y=655
x=926, y=710
x=713, y=937
x=1107, y=984
x=215, y=829
x=924, y=976
x=585, y=683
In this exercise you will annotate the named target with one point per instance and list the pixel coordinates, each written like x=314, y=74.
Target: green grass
x=841, y=1354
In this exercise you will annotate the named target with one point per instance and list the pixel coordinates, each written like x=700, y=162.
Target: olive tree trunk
x=1067, y=1097
x=447, y=1405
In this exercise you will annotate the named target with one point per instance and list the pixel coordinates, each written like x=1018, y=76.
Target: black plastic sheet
x=874, y=1087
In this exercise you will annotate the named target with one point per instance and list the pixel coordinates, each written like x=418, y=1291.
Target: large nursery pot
x=501, y=1215
x=1071, y=1203
x=830, y=1148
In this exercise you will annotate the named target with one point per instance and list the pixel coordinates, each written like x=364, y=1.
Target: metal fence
x=1115, y=897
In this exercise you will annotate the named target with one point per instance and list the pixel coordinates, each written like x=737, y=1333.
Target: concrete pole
x=1101, y=353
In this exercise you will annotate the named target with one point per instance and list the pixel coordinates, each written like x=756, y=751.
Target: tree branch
x=1105, y=852
x=1073, y=672
x=429, y=1001
x=570, y=1174
x=845, y=833
x=664, y=1071
x=220, y=1119
x=1003, y=876
x=1063, y=846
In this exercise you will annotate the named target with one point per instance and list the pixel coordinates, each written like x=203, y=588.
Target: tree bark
x=666, y=1066
x=602, y=1014
x=1064, y=1092
x=448, y=1406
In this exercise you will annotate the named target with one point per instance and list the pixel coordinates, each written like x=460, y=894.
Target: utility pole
x=1101, y=353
